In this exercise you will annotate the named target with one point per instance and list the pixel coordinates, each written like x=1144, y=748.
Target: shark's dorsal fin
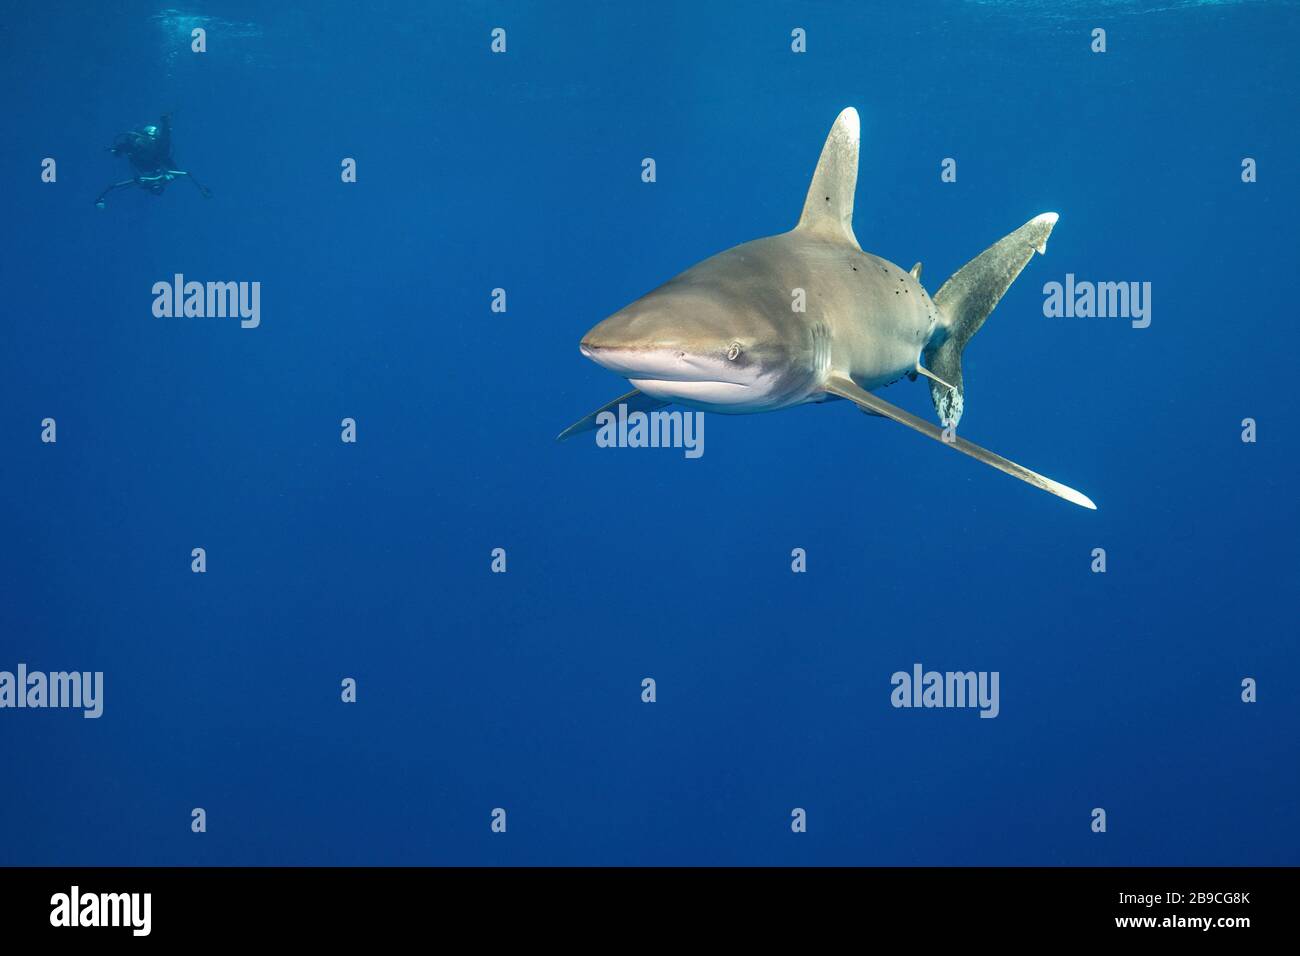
x=916, y=272
x=828, y=210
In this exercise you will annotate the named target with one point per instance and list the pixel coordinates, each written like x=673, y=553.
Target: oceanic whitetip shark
x=726, y=335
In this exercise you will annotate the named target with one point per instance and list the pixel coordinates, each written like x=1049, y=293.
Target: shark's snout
x=687, y=349
x=628, y=344
x=606, y=353
x=648, y=361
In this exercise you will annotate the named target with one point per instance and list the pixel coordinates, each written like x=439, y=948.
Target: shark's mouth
x=704, y=391
x=675, y=375
x=663, y=366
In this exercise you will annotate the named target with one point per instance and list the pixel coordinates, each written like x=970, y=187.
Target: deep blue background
x=523, y=690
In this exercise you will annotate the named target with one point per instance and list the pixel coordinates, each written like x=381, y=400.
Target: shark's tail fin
x=966, y=300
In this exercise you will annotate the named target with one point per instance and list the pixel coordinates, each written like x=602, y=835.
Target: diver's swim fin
x=868, y=402
x=635, y=400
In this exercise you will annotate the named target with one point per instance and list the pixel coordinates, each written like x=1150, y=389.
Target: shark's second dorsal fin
x=916, y=272
x=828, y=210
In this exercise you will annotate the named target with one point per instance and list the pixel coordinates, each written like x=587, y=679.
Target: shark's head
x=695, y=349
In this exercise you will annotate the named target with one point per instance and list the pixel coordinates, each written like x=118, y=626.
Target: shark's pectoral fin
x=635, y=400
x=868, y=402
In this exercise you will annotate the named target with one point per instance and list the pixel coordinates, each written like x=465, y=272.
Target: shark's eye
x=733, y=353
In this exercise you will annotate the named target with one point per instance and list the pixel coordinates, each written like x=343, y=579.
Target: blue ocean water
x=523, y=691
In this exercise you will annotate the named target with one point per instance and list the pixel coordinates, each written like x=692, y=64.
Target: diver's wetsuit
x=149, y=150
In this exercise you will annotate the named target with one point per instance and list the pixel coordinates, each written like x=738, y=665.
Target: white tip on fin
x=828, y=210
x=1069, y=494
x=845, y=388
x=1047, y=219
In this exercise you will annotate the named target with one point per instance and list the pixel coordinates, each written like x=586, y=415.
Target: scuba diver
x=150, y=151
